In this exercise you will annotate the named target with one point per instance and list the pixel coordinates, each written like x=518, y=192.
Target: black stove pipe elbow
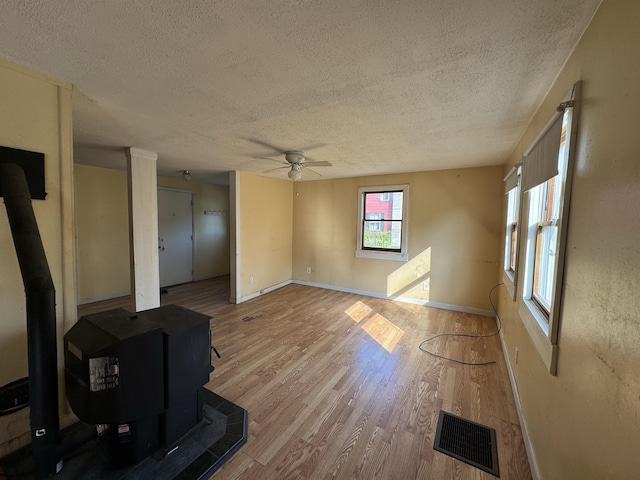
x=41, y=318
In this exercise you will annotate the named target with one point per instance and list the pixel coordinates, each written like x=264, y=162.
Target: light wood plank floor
x=336, y=386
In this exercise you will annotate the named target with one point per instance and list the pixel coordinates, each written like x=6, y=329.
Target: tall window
x=382, y=222
x=544, y=217
x=546, y=179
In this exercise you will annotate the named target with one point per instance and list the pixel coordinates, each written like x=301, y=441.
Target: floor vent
x=467, y=441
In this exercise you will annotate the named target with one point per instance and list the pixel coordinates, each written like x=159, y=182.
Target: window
x=542, y=232
x=382, y=224
x=511, y=250
x=546, y=179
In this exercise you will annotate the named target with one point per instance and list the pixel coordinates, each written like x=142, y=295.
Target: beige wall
x=102, y=216
x=453, y=237
x=103, y=230
x=264, y=214
x=35, y=115
x=584, y=423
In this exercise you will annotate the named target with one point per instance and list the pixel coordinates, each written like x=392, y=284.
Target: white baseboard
x=533, y=465
x=244, y=298
x=398, y=298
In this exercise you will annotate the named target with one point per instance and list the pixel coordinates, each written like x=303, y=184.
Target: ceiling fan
x=296, y=161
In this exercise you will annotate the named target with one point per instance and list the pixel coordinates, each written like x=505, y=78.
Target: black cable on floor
x=499, y=323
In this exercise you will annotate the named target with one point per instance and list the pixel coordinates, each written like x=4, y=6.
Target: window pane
x=513, y=244
x=552, y=200
x=512, y=213
x=510, y=244
x=396, y=206
x=382, y=224
x=382, y=234
x=544, y=265
x=373, y=226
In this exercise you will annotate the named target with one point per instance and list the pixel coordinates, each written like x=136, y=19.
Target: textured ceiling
x=371, y=86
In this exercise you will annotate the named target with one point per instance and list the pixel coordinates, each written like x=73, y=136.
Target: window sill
x=537, y=315
x=509, y=282
x=375, y=254
x=538, y=330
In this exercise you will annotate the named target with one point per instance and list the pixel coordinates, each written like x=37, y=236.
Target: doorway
x=175, y=236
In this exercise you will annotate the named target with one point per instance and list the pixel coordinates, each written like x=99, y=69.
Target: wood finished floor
x=336, y=386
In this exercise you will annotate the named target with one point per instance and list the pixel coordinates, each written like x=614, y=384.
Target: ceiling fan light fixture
x=186, y=174
x=295, y=174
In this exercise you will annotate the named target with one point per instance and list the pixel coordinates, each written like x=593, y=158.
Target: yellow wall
x=584, y=423
x=35, y=115
x=453, y=236
x=264, y=224
x=103, y=231
x=102, y=218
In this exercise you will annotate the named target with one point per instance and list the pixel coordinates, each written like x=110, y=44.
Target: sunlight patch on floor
x=358, y=311
x=383, y=331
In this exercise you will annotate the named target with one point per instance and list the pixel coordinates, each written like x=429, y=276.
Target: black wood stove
x=142, y=374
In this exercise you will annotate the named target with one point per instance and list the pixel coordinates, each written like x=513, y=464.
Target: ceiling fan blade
x=280, y=149
x=312, y=172
x=314, y=163
x=265, y=144
x=274, y=169
x=273, y=160
x=313, y=147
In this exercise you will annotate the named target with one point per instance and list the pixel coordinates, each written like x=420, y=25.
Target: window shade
x=511, y=180
x=541, y=163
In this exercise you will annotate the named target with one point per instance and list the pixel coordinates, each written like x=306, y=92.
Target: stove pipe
x=41, y=318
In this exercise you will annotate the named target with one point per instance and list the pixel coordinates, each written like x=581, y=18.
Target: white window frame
x=543, y=326
x=512, y=225
x=403, y=254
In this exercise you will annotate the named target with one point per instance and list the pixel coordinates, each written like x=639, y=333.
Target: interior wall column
x=143, y=228
x=234, y=234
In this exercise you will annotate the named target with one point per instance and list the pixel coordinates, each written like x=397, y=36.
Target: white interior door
x=175, y=236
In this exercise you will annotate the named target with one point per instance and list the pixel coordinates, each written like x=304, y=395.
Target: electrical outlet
x=517, y=352
x=250, y=279
x=308, y=269
x=425, y=286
